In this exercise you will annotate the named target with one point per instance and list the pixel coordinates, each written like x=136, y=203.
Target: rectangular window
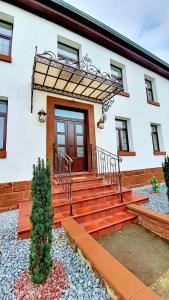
x=5, y=38
x=116, y=71
x=155, y=139
x=149, y=89
x=3, y=124
x=68, y=51
x=122, y=135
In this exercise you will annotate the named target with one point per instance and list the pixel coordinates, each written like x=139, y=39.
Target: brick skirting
x=13, y=192
x=154, y=221
x=136, y=178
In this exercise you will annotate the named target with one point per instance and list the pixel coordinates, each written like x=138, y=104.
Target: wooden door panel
x=70, y=137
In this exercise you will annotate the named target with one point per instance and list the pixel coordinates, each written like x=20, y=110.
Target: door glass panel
x=62, y=149
x=79, y=139
x=60, y=127
x=60, y=138
x=1, y=132
x=80, y=152
x=69, y=114
x=79, y=129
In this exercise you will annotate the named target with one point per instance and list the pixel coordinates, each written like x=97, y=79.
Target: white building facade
x=137, y=123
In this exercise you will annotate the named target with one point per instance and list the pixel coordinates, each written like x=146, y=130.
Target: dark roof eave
x=65, y=15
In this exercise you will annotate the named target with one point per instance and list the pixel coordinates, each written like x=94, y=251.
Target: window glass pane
x=60, y=127
x=4, y=46
x=149, y=95
x=118, y=142
x=5, y=29
x=61, y=139
x=155, y=142
x=3, y=107
x=2, y=123
x=80, y=152
x=79, y=129
x=68, y=51
x=116, y=71
x=124, y=144
x=79, y=140
x=69, y=114
x=121, y=124
x=148, y=84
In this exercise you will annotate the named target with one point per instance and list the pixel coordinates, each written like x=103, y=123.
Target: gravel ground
x=83, y=284
x=157, y=202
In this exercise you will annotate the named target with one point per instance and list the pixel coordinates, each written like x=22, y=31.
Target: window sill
x=126, y=153
x=159, y=153
x=3, y=154
x=6, y=58
x=153, y=102
x=125, y=94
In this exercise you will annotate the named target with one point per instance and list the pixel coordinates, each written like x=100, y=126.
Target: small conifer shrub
x=40, y=260
x=155, y=185
x=165, y=166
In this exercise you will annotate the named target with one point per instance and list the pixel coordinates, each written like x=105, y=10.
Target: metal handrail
x=62, y=165
x=106, y=165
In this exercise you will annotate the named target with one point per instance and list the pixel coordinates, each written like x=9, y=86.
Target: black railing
x=62, y=169
x=107, y=165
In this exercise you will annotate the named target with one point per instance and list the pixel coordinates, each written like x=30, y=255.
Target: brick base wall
x=13, y=192
x=155, y=222
x=136, y=178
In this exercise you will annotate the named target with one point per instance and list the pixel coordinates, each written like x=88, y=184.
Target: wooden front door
x=71, y=136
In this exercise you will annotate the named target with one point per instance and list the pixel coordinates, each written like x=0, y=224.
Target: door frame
x=52, y=102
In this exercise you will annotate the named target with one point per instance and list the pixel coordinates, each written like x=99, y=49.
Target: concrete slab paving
x=161, y=286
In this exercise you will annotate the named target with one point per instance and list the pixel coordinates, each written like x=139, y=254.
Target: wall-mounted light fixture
x=100, y=123
x=42, y=116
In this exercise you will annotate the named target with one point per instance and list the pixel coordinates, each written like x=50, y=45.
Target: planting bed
x=143, y=253
x=14, y=254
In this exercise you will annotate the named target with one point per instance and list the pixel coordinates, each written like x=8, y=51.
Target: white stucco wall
x=26, y=137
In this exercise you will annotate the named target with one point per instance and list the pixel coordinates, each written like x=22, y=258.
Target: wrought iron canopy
x=77, y=79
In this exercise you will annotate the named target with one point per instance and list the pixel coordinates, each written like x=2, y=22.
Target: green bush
x=165, y=166
x=155, y=185
x=40, y=260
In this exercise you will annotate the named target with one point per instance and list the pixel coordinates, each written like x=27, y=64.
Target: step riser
x=81, y=184
x=101, y=213
x=88, y=183
x=88, y=202
x=88, y=191
x=113, y=228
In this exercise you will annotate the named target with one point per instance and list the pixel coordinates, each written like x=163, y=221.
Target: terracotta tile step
x=81, y=182
x=76, y=175
x=108, y=224
x=89, y=199
x=81, y=189
x=101, y=210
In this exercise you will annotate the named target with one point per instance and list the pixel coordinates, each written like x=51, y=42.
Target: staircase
x=96, y=205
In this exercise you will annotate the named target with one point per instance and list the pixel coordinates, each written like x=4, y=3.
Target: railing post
x=120, y=185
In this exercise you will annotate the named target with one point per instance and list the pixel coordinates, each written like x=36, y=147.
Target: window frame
x=7, y=38
x=4, y=115
x=149, y=89
x=157, y=137
x=118, y=130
